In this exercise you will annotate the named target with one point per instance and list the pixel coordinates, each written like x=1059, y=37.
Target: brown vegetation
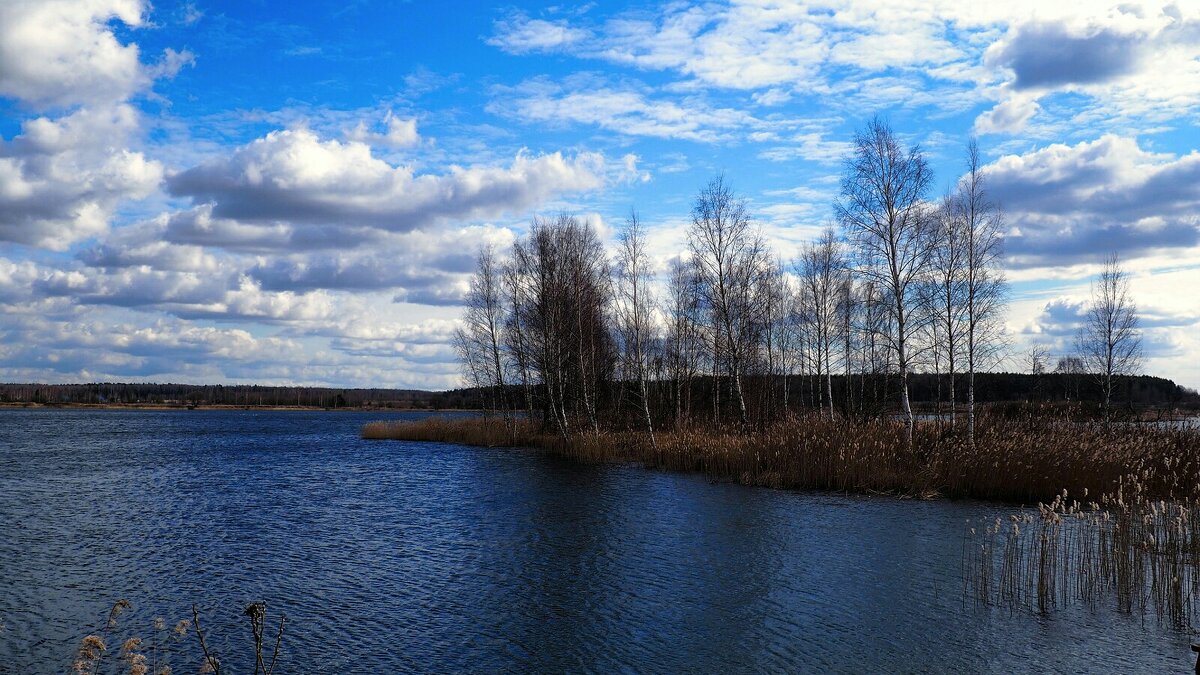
x=1026, y=457
x=1126, y=545
x=156, y=656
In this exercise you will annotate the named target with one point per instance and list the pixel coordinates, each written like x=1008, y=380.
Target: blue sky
x=291, y=193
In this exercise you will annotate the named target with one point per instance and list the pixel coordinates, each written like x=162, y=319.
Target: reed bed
x=1022, y=459
x=1137, y=553
x=1135, y=543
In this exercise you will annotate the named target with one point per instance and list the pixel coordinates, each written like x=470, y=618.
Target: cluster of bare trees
x=1107, y=347
x=731, y=333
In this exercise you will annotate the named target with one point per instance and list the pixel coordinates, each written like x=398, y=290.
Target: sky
x=293, y=193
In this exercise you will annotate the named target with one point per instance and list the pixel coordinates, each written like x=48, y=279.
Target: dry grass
x=1025, y=459
x=487, y=432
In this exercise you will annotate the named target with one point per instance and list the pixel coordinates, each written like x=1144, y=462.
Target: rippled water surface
x=390, y=556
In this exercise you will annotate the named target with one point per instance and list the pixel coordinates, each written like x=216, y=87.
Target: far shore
x=217, y=406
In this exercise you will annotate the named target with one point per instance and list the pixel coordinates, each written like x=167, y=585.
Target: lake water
x=390, y=556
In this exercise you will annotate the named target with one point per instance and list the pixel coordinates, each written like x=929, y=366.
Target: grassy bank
x=1022, y=458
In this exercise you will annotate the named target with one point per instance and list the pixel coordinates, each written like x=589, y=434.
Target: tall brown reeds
x=1139, y=552
x=1023, y=459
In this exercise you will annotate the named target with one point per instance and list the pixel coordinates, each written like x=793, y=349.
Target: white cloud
x=1010, y=116
x=302, y=190
x=397, y=133
x=1068, y=204
x=620, y=109
x=520, y=35
x=1132, y=59
x=65, y=53
x=61, y=179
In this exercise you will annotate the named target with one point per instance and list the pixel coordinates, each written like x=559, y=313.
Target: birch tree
x=820, y=269
x=635, y=308
x=984, y=282
x=728, y=257
x=479, y=340
x=948, y=273
x=883, y=212
x=684, y=340
x=1110, y=342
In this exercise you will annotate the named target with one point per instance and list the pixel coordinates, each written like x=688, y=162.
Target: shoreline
x=1010, y=463
x=221, y=407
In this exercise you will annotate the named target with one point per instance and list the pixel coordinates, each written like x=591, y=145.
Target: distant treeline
x=873, y=394
x=113, y=393
x=869, y=393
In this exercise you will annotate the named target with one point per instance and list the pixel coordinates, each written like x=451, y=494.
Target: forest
x=231, y=395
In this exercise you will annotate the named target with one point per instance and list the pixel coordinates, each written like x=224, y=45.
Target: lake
x=392, y=557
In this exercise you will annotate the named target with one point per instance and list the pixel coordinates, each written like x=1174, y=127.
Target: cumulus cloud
x=292, y=180
x=1046, y=55
x=101, y=344
x=1059, y=320
x=142, y=244
x=61, y=179
x=61, y=53
x=1068, y=204
x=222, y=292
x=64, y=53
x=420, y=267
x=97, y=346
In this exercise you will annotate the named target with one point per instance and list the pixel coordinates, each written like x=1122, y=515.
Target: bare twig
x=213, y=663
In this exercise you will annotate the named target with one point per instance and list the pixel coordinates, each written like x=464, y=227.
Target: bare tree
x=728, y=257
x=883, y=211
x=1071, y=367
x=479, y=340
x=1036, y=358
x=635, y=307
x=821, y=268
x=985, y=284
x=563, y=280
x=684, y=342
x=516, y=342
x=948, y=297
x=1109, y=341
x=848, y=312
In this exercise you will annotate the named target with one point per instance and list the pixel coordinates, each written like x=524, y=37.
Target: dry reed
x=1135, y=542
x=134, y=660
x=1024, y=459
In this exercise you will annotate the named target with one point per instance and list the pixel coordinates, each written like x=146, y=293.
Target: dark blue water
x=390, y=556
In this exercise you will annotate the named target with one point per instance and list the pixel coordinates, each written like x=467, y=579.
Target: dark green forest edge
x=816, y=373
x=1147, y=396
x=140, y=394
